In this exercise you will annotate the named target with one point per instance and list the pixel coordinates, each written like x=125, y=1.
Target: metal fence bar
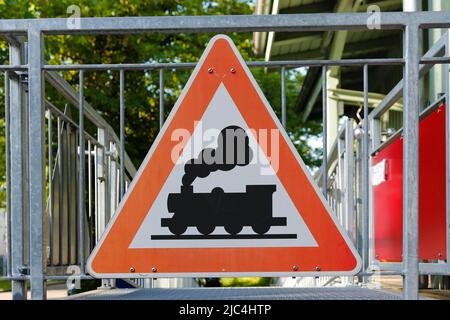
x=324, y=131
x=6, y=67
x=365, y=173
x=102, y=183
x=340, y=184
x=65, y=118
x=17, y=176
x=90, y=200
x=72, y=96
x=228, y=23
x=375, y=137
x=8, y=172
x=81, y=169
x=89, y=170
x=435, y=60
x=122, y=134
x=283, y=96
x=411, y=164
x=349, y=169
x=161, y=98
x=253, y=64
x=69, y=191
x=60, y=188
x=358, y=190
x=376, y=125
x=37, y=164
x=50, y=182
x=397, y=92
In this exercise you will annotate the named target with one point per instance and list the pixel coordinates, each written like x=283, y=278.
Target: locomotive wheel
x=205, y=228
x=177, y=229
x=261, y=228
x=233, y=229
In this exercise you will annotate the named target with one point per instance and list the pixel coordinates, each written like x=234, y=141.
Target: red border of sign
x=112, y=257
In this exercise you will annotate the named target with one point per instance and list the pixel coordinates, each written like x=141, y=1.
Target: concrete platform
x=263, y=293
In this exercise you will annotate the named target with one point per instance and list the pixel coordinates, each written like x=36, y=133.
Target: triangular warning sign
x=223, y=191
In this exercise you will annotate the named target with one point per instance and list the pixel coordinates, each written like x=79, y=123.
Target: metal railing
x=358, y=178
x=27, y=178
x=437, y=55
x=82, y=185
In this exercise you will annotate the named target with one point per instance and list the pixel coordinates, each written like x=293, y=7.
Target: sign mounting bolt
x=317, y=268
x=210, y=70
x=132, y=269
x=154, y=269
x=233, y=70
x=294, y=268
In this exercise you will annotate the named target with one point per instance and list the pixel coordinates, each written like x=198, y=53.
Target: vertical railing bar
x=60, y=189
x=359, y=184
x=89, y=178
x=36, y=156
x=339, y=178
x=411, y=163
x=375, y=140
x=89, y=193
x=324, y=131
x=68, y=183
x=161, y=98
x=8, y=172
x=18, y=169
x=81, y=151
x=122, y=134
x=283, y=97
x=365, y=169
x=76, y=166
x=349, y=174
x=96, y=181
x=50, y=182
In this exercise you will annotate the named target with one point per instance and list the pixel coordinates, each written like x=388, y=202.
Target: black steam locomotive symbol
x=206, y=211
x=234, y=210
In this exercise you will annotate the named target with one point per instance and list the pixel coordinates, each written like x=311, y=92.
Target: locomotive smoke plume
x=232, y=150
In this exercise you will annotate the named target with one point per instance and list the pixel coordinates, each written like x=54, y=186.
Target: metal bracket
x=24, y=270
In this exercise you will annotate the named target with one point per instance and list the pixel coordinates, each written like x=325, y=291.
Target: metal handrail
x=433, y=106
x=438, y=49
x=63, y=87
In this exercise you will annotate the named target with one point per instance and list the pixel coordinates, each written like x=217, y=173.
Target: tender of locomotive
x=233, y=211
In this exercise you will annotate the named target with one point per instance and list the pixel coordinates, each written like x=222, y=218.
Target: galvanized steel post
x=411, y=164
x=37, y=163
x=18, y=159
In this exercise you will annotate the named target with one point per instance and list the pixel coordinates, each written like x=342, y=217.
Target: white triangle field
x=222, y=112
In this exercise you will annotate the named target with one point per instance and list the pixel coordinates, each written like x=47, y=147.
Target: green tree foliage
x=142, y=88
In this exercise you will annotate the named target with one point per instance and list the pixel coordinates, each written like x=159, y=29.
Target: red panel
x=388, y=195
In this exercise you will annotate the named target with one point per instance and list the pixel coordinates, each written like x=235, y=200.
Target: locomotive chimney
x=187, y=189
x=233, y=150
